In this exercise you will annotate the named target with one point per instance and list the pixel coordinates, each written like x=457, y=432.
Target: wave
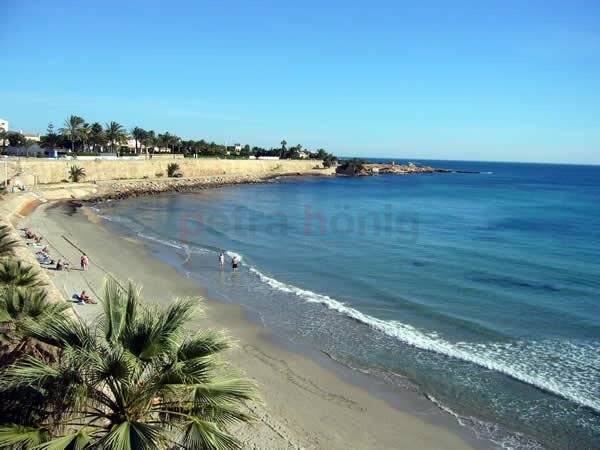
x=490, y=431
x=563, y=368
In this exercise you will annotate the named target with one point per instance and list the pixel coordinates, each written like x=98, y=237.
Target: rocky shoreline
x=116, y=189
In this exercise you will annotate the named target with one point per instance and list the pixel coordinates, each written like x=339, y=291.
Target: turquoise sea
x=482, y=288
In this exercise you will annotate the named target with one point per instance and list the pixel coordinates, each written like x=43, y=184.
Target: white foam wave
x=560, y=367
x=487, y=430
x=234, y=255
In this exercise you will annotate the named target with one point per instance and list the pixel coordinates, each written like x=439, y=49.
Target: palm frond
x=28, y=371
x=17, y=273
x=8, y=242
x=113, y=305
x=17, y=436
x=131, y=435
x=63, y=331
x=203, y=344
x=202, y=435
x=74, y=441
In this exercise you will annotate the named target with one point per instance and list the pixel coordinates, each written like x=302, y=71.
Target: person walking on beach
x=234, y=263
x=222, y=260
x=85, y=262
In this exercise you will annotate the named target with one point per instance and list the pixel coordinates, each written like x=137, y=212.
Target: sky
x=472, y=80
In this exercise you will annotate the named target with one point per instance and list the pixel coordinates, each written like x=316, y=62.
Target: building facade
x=3, y=125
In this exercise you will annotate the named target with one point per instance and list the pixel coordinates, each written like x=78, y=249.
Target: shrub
x=173, y=170
x=76, y=173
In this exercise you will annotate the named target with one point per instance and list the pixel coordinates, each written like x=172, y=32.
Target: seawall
x=45, y=171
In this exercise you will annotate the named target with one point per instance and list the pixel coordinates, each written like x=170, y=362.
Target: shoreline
x=286, y=375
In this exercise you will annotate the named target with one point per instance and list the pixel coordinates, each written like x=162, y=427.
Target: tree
x=115, y=134
x=15, y=139
x=351, y=167
x=8, y=243
x=97, y=136
x=135, y=379
x=76, y=174
x=19, y=307
x=19, y=274
x=150, y=140
x=51, y=139
x=85, y=134
x=138, y=134
x=71, y=129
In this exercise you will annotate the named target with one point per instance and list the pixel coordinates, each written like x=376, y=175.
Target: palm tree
x=97, y=137
x=71, y=129
x=85, y=134
x=115, y=134
x=138, y=134
x=149, y=140
x=19, y=308
x=19, y=274
x=7, y=241
x=76, y=174
x=135, y=379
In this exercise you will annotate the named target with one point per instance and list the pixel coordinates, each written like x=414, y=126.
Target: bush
x=173, y=170
x=76, y=173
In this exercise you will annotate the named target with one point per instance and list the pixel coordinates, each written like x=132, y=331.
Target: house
x=31, y=136
x=3, y=125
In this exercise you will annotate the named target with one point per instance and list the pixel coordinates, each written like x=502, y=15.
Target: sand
x=304, y=403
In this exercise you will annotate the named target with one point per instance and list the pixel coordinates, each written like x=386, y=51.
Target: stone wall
x=46, y=171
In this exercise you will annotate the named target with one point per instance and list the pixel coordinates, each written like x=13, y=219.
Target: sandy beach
x=305, y=404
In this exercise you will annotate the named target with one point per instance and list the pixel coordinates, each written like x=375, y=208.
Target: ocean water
x=481, y=288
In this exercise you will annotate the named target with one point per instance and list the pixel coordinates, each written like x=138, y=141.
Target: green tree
x=97, y=137
x=149, y=141
x=133, y=380
x=51, y=139
x=19, y=274
x=115, y=134
x=19, y=308
x=72, y=129
x=8, y=243
x=16, y=139
x=139, y=135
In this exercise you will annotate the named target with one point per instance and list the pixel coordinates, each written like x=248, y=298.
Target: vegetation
x=15, y=273
x=173, y=170
x=135, y=379
x=351, y=167
x=76, y=174
x=81, y=137
x=72, y=129
x=115, y=135
x=8, y=243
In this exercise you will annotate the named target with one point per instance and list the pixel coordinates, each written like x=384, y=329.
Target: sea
x=482, y=289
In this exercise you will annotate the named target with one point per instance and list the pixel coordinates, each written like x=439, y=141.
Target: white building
x=3, y=125
x=31, y=137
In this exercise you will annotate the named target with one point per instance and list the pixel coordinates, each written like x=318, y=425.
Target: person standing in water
x=234, y=263
x=85, y=262
x=222, y=260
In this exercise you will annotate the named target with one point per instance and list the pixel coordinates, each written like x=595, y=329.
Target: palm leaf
x=8, y=243
x=17, y=273
x=202, y=435
x=21, y=437
x=203, y=344
x=132, y=436
x=75, y=441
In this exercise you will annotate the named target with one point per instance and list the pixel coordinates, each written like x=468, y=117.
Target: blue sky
x=484, y=80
